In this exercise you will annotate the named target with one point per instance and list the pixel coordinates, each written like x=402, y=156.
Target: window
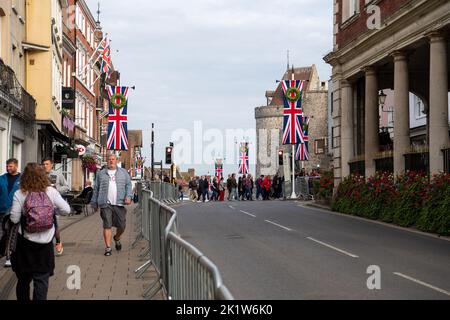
x=319, y=146
x=16, y=150
x=419, y=107
x=349, y=9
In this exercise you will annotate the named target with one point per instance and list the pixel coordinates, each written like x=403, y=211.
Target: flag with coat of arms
x=292, y=112
x=118, y=118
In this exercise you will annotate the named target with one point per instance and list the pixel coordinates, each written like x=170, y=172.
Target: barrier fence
x=184, y=273
x=303, y=187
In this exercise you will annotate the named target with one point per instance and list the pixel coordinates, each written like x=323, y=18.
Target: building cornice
x=406, y=16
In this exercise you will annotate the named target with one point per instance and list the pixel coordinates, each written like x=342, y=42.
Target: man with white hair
x=112, y=191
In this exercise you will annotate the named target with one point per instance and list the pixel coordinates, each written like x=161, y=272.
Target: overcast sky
x=209, y=60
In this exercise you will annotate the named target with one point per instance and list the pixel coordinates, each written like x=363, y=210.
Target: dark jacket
x=6, y=198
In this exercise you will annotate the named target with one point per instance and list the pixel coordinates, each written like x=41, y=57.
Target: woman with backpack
x=34, y=206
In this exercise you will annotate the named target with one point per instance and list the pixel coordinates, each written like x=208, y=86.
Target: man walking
x=112, y=191
x=58, y=182
x=9, y=183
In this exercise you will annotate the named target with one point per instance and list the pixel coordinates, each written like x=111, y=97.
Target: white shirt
x=112, y=188
x=59, y=203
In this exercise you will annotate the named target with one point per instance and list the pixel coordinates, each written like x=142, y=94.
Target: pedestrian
x=193, y=185
x=259, y=189
x=9, y=184
x=34, y=206
x=222, y=187
x=180, y=190
x=58, y=182
x=267, y=184
x=233, y=188
x=112, y=191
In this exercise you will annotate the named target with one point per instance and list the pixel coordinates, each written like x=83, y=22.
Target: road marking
x=423, y=283
x=334, y=248
x=232, y=207
x=249, y=214
x=278, y=225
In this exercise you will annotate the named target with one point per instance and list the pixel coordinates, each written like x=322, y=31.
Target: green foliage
x=409, y=200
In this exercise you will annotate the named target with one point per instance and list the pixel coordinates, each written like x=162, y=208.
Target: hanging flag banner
x=117, y=118
x=139, y=165
x=105, y=56
x=243, y=158
x=302, y=151
x=292, y=112
x=219, y=168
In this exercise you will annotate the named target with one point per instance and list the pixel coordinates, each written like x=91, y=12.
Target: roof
x=299, y=74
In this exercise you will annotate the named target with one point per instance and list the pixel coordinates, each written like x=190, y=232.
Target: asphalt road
x=285, y=250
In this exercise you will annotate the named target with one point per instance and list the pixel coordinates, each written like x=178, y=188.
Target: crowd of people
x=244, y=188
x=29, y=205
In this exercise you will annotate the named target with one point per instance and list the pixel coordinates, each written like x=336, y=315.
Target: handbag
x=9, y=239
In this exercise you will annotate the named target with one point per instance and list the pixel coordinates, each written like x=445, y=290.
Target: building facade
x=401, y=45
x=128, y=158
x=17, y=107
x=269, y=125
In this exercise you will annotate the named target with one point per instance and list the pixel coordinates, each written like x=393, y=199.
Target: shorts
x=113, y=216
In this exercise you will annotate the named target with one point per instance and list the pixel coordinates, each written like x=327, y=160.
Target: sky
x=208, y=61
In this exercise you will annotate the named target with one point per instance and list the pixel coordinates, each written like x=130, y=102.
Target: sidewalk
x=102, y=278
x=7, y=277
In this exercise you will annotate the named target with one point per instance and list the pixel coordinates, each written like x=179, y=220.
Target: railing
x=163, y=191
x=183, y=271
x=303, y=187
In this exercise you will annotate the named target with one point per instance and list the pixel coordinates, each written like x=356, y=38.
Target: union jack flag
x=118, y=121
x=302, y=152
x=106, y=61
x=243, y=159
x=219, y=170
x=292, y=133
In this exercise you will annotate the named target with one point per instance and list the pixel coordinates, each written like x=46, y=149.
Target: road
x=286, y=250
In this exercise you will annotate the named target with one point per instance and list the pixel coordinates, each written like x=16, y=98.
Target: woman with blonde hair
x=34, y=205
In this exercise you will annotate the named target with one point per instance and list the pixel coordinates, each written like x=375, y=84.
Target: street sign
x=68, y=98
x=81, y=149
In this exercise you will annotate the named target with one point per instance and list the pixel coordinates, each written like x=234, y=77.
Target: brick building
x=127, y=158
x=401, y=45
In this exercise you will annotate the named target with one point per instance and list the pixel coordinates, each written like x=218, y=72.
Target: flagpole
x=293, y=195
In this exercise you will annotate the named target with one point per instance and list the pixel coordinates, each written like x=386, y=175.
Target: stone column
x=438, y=101
x=372, y=120
x=401, y=111
x=346, y=127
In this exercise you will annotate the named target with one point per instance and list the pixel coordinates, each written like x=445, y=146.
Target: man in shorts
x=112, y=192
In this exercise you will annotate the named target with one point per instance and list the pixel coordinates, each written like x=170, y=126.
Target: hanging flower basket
x=89, y=163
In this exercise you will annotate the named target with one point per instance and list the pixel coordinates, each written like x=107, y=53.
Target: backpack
x=39, y=212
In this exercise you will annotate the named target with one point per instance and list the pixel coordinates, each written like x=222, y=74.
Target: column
x=371, y=146
x=438, y=101
x=401, y=111
x=346, y=127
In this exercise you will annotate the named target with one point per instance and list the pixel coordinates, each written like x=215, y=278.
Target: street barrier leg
x=152, y=289
x=141, y=270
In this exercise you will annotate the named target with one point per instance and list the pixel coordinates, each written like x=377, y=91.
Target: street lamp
x=382, y=99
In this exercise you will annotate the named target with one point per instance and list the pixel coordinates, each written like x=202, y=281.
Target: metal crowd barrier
x=303, y=187
x=183, y=271
x=163, y=191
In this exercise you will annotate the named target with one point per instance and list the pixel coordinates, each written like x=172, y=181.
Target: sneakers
x=59, y=249
x=7, y=264
x=108, y=251
x=118, y=244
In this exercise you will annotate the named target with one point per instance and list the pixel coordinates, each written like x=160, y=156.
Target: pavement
x=102, y=278
x=288, y=250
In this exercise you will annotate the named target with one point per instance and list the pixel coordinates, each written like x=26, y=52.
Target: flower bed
x=410, y=200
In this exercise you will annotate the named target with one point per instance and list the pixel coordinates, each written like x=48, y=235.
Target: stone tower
x=269, y=124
